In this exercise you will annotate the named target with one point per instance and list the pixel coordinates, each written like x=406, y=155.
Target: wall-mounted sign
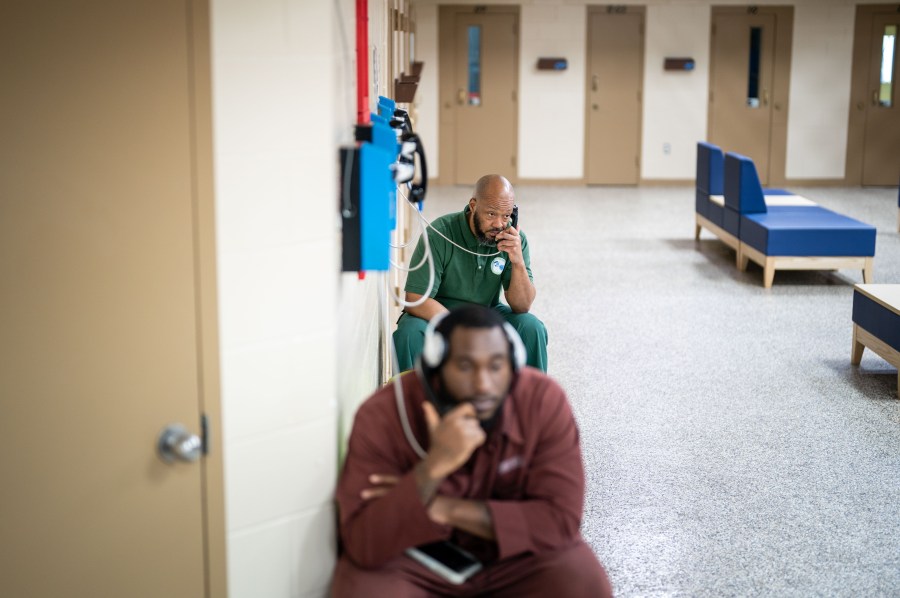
x=552, y=64
x=678, y=64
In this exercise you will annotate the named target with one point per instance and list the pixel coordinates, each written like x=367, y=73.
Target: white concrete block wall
x=278, y=252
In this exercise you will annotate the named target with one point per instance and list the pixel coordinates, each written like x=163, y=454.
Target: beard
x=444, y=398
x=481, y=234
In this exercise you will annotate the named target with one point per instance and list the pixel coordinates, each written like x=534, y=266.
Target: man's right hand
x=453, y=438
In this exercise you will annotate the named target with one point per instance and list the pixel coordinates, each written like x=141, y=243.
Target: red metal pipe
x=362, y=62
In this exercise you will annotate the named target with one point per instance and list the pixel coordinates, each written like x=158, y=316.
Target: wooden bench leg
x=697, y=228
x=856, y=352
x=867, y=270
x=769, y=272
x=742, y=260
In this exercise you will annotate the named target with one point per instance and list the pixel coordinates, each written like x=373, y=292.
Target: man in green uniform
x=475, y=252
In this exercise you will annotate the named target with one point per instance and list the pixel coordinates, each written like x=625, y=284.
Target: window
x=753, y=71
x=886, y=87
x=473, y=97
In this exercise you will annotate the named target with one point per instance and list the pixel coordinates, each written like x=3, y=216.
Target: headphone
x=436, y=348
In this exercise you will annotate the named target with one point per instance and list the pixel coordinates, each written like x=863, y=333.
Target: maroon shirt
x=529, y=471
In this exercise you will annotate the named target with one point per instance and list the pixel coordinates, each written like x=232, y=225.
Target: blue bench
x=712, y=211
x=774, y=227
x=788, y=232
x=876, y=323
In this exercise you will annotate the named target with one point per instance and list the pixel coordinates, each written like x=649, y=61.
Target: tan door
x=104, y=225
x=480, y=93
x=615, y=78
x=741, y=86
x=881, y=153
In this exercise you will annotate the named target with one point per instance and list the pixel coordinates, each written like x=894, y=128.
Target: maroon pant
x=573, y=572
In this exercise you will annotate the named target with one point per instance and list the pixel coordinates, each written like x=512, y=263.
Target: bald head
x=493, y=186
x=490, y=208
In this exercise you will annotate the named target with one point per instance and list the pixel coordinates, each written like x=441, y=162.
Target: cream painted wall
x=675, y=104
x=551, y=103
x=820, y=91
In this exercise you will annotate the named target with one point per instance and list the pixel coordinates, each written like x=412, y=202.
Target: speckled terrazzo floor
x=730, y=448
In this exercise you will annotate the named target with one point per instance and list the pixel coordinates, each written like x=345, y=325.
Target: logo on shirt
x=497, y=265
x=508, y=465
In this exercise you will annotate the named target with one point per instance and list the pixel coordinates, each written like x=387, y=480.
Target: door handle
x=177, y=444
x=765, y=98
x=595, y=83
x=875, y=98
x=461, y=97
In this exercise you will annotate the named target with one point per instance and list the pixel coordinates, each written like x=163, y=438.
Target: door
x=479, y=92
x=106, y=285
x=615, y=76
x=741, y=85
x=881, y=152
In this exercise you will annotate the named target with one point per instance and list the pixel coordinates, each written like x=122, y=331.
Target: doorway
x=749, y=78
x=615, y=71
x=479, y=57
x=873, y=152
x=107, y=275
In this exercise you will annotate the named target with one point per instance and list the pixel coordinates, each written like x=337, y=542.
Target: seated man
x=475, y=253
x=500, y=474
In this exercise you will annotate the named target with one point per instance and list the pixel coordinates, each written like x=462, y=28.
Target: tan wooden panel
x=486, y=132
x=614, y=94
x=733, y=124
x=881, y=152
x=98, y=191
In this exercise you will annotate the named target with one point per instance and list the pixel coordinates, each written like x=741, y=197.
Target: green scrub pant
x=410, y=336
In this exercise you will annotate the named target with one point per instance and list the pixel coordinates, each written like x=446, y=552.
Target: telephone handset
x=514, y=220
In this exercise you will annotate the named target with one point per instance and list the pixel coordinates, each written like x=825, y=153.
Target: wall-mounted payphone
x=383, y=158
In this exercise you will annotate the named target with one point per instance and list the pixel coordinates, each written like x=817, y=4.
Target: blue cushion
x=807, y=231
x=732, y=222
x=716, y=214
x=701, y=203
x=877, y=319
x=743, y=192
x=777, y=192
x=709, y=168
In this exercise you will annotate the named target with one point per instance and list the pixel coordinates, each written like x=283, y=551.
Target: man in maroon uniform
x=500, y=474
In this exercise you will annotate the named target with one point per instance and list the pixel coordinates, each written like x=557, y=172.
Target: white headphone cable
x=427, y=257
x=398, y=385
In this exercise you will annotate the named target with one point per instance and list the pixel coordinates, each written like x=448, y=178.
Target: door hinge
x=204, y=433
x=514, y=95
x=710, y=97
x=512, y=161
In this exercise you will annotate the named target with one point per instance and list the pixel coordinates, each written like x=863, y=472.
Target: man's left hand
x=510, y=242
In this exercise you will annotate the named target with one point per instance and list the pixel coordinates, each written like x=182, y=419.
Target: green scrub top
x=460, y=277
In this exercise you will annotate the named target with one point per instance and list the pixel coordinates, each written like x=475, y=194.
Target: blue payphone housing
x=369, y=177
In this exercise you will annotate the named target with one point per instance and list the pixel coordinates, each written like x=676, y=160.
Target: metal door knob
x=177, y=444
